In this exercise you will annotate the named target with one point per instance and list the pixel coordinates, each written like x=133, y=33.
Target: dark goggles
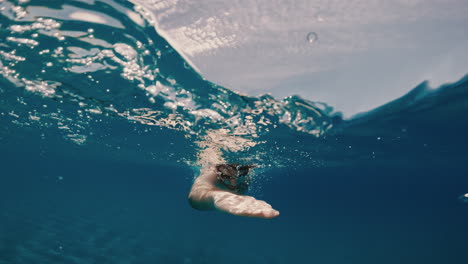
x=232, y=176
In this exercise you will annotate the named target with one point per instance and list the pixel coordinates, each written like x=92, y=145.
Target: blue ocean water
x=104, y=127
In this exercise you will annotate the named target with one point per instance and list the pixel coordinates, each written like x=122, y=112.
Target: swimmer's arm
x=201, y=194
x=204, y=195
x=242, y=205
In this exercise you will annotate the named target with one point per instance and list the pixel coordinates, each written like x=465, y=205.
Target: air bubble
x=312, y=37
x=464, y=198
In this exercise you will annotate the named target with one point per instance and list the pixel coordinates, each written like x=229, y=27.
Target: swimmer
x=221, y=187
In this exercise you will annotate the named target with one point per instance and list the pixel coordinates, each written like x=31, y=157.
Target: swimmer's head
x=233, y=170
x=232, y=176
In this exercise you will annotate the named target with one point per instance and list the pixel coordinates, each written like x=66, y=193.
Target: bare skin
x=208, y=194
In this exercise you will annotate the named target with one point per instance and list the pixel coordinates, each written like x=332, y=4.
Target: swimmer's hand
x=206, y=194
x=242, y=205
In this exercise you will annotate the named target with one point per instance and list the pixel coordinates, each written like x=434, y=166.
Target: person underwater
x=221, y=187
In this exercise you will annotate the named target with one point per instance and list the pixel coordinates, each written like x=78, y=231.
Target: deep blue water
x=105, y=211
x=103, y=126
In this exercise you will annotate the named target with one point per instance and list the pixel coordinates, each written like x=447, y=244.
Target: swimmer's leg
x=206, y=195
